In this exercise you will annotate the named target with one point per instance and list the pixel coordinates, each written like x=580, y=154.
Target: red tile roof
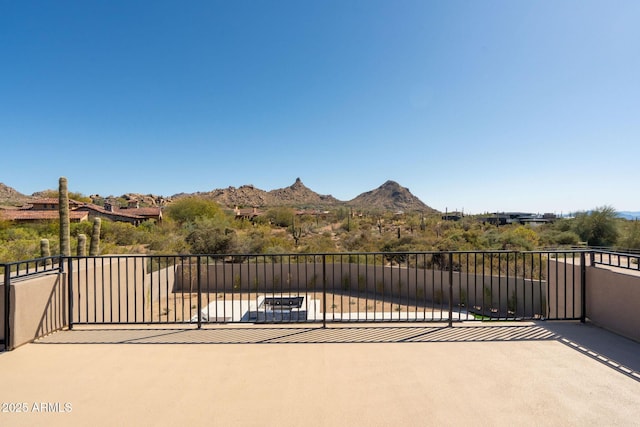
x=36, y=215
x=79, y=212
x=146, y=212
x=103, y=211
x=52, y=201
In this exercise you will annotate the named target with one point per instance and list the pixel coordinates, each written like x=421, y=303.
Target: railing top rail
x=32, y=267
x=54, y=263
x=617, y=253
x=302, y=254
x=616, y=259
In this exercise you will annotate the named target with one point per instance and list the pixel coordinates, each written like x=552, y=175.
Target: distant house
x=47, y=210
x=48, y=203
x=452, y=216
x=152, y=212
x=108, y=212
x=134, y=216
x=505, y=218
x=32, y=216
x=247, y=213
x=537, y=219
x=41, y=210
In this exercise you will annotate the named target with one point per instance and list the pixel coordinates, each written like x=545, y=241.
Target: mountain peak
x=298, y=184
x=390, y=196
x=389, y=184
x=299, y=194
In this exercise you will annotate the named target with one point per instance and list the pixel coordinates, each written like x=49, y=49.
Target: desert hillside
x=390, y=196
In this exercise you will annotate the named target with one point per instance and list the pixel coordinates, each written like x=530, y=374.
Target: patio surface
x=524, y=373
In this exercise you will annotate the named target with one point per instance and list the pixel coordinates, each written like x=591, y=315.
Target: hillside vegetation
x=198, y=225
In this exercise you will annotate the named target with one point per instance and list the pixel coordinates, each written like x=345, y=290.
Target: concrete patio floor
x=525, y=373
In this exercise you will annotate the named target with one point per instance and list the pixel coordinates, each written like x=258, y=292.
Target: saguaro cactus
x=94, y=248
x=296, y=235
x=45, y=252
x=44, y=248
x=82, y=245
x=63, y=206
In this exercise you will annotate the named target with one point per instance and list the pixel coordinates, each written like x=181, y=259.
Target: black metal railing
x=346, y=287
x=24, y=269
x=314, y=288
x=616, y=259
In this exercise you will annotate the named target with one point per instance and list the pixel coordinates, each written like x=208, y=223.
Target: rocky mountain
x=245, y=196
x=390, y=196
x=145, y=199
x=297, y=195
x=11, y=197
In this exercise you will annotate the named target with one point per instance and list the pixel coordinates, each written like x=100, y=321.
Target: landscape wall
x=565, y=290
x=109, y=290
x=613, y=300
x=517, y=295
x=2, y=317
x=120, y=290
x=38, y=307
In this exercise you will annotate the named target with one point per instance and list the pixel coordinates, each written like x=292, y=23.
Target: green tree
x=253, y=241
x=208, y=236
x=282, y=217
x=190, y=209
x=630, y=238
x=598, y=227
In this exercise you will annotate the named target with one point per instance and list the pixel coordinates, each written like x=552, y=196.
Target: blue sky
x=482, y=105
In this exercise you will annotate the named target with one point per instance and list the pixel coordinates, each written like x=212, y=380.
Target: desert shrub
x=120, y=233
x=319, y=244
x=190, y=209
x=209, y=236
x=281, y=217
x=598, y=227
x=253, y=241
x=84, y=227
x=359, y=240
x=630, y=238
x=567, y=238
x=16, y=250
x=168, y=243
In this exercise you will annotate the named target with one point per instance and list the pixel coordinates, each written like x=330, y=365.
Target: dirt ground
x=181, y=307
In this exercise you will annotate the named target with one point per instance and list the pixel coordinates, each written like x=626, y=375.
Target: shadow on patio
x=612, y=350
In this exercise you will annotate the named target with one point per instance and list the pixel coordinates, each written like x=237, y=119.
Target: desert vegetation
x=196, y=225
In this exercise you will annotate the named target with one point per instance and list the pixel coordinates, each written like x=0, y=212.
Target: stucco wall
x=39, y=307
x=107, y=290
x=613, y=301
x=522, y=296
x=565, y=291
x=2, y=311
